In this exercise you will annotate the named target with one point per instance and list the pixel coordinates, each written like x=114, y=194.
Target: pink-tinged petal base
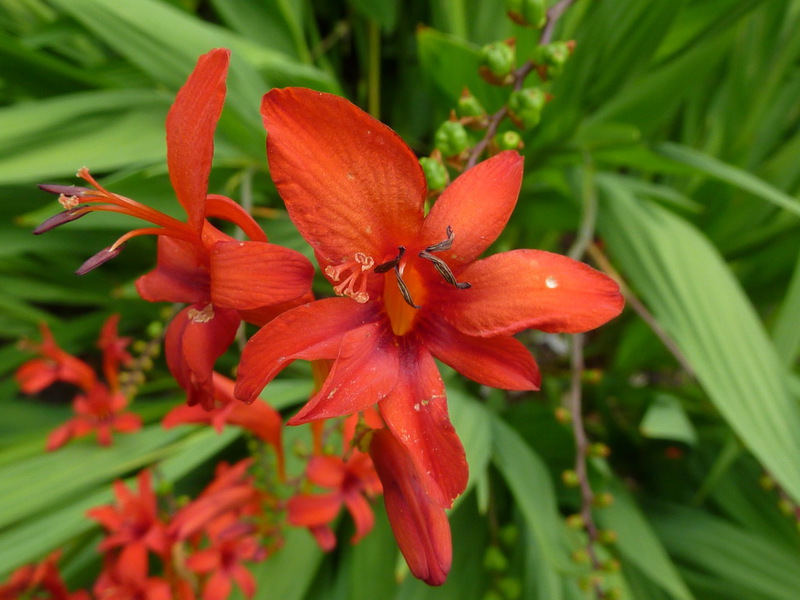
x=196, y=338
x=502, y=362
x=248, y=275
x=308, y=332
x=419, y=524
x=476, y=206
x=534, y=289
x=416, y=413
x=350, y=183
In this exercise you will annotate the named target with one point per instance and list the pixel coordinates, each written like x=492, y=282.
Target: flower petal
x=363, y=374
x=416, y=413
x=307, y=332
x=476, y=206
x=361, y=513
x=194, y=343
x=248, y=275
x=181, y=273
x=501, y=362
x=307, y=510
x=326, y=471
x=516, y=290
x=190, y=132
x=419, y=524
x=349, y=182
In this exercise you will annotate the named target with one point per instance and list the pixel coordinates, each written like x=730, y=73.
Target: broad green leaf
x=665, y=419
x=638, y=544
x=729, y=174
x=732, y=562
x=696, y=299
x=530, y=484
x=785, y=329
x=473, y=424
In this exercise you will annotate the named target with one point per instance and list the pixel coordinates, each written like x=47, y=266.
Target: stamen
x=439, y=264
x=102, y=257
x=68, y=202
x=354, y=284
x=201, y=316
x=394, y=264
x=389, y=265
x=63, y=217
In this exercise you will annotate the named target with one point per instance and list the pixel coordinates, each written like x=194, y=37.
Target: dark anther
x=66, y=216
x=105, y=255
x=395, y=264
x=66, y=190
x=439, y=264
x=388, y=266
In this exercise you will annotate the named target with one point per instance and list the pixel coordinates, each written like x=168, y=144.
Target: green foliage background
x=678, y=118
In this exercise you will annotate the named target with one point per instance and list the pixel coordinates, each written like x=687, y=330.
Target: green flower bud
x=508, y=140
x=510, y=587
x=607, y=537
x=526, y=106
x=494, y=560
x=469, y=106
x=509, y=534
x=599, y=450
x=603, y=499
x=570, y=478
x=499, y=58
x=435, y=173
x=576, y=522
x=451, y=138
x=527, y=12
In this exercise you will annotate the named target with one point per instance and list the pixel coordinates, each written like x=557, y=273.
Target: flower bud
x=527, y=12
x=494, y=560
x=435, y=173
x=603, y=499
x=526, y=106
x=599, y=450
x=451, y=138
x=499, y=58
x=607, y=537
x=509, y=534
x=510, y=587
x=570, y=478
x=576, y=522
x=508, y=140
x=469, y=106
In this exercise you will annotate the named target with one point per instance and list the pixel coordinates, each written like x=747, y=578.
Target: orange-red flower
x=260, y=277
x=100, y=408
x=41, y=580
x=413, y=287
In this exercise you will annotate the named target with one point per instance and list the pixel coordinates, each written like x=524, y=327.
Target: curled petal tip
x=63, y=217
x=105, y=255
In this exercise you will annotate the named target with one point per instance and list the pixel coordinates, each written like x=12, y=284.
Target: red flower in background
x=413, y=285
x=33, y=581
x=261, y=278
x=100, y=408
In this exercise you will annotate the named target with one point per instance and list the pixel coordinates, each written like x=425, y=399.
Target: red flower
x=30, y=581
x=120, y=581
x=261, y=278
x=259, y=418
x=132, y=526
x=100, y=408
x=350, y=480
x=414, y=287
x=55, y=365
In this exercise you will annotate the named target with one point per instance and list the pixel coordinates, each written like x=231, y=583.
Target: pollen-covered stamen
x=351, y=274
x=394, y=264
x=439, y=264
x=201, y=316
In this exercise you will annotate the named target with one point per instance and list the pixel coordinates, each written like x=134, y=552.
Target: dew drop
x=551, y=282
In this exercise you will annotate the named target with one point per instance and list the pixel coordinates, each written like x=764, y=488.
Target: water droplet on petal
x=551, y=282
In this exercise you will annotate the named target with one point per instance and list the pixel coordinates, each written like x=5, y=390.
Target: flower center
x=352, y=276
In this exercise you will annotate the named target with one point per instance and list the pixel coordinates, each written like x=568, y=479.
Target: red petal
x=192, y=346
x=326, y=471
x=361, y=512
x=218, y=587
x=516, y=290
x=127, y=423
x=181, y=273
x=476, y=206
x=349, y=182
x=245, y=579
x=501, y=362
x=363, y=374
x=307, y=510
x=419, y=524
x=60, y=436
x=307, y=332
x=190, y=132
x=249, y=275
x=416, y=413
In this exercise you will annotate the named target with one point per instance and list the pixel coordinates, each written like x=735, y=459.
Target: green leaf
x=382, y=11
x=638, y=544
x=665, y=419
x=713, y=167
x=785, y=330
x=699, y=303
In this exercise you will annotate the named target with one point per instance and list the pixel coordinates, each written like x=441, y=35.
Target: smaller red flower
x=133, y=527
x=33, y=581
x=352, y=481
x=54, y=365
x=119, y=581
x=259, y=418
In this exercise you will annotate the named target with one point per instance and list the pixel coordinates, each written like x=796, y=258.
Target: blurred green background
x=675, y=122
